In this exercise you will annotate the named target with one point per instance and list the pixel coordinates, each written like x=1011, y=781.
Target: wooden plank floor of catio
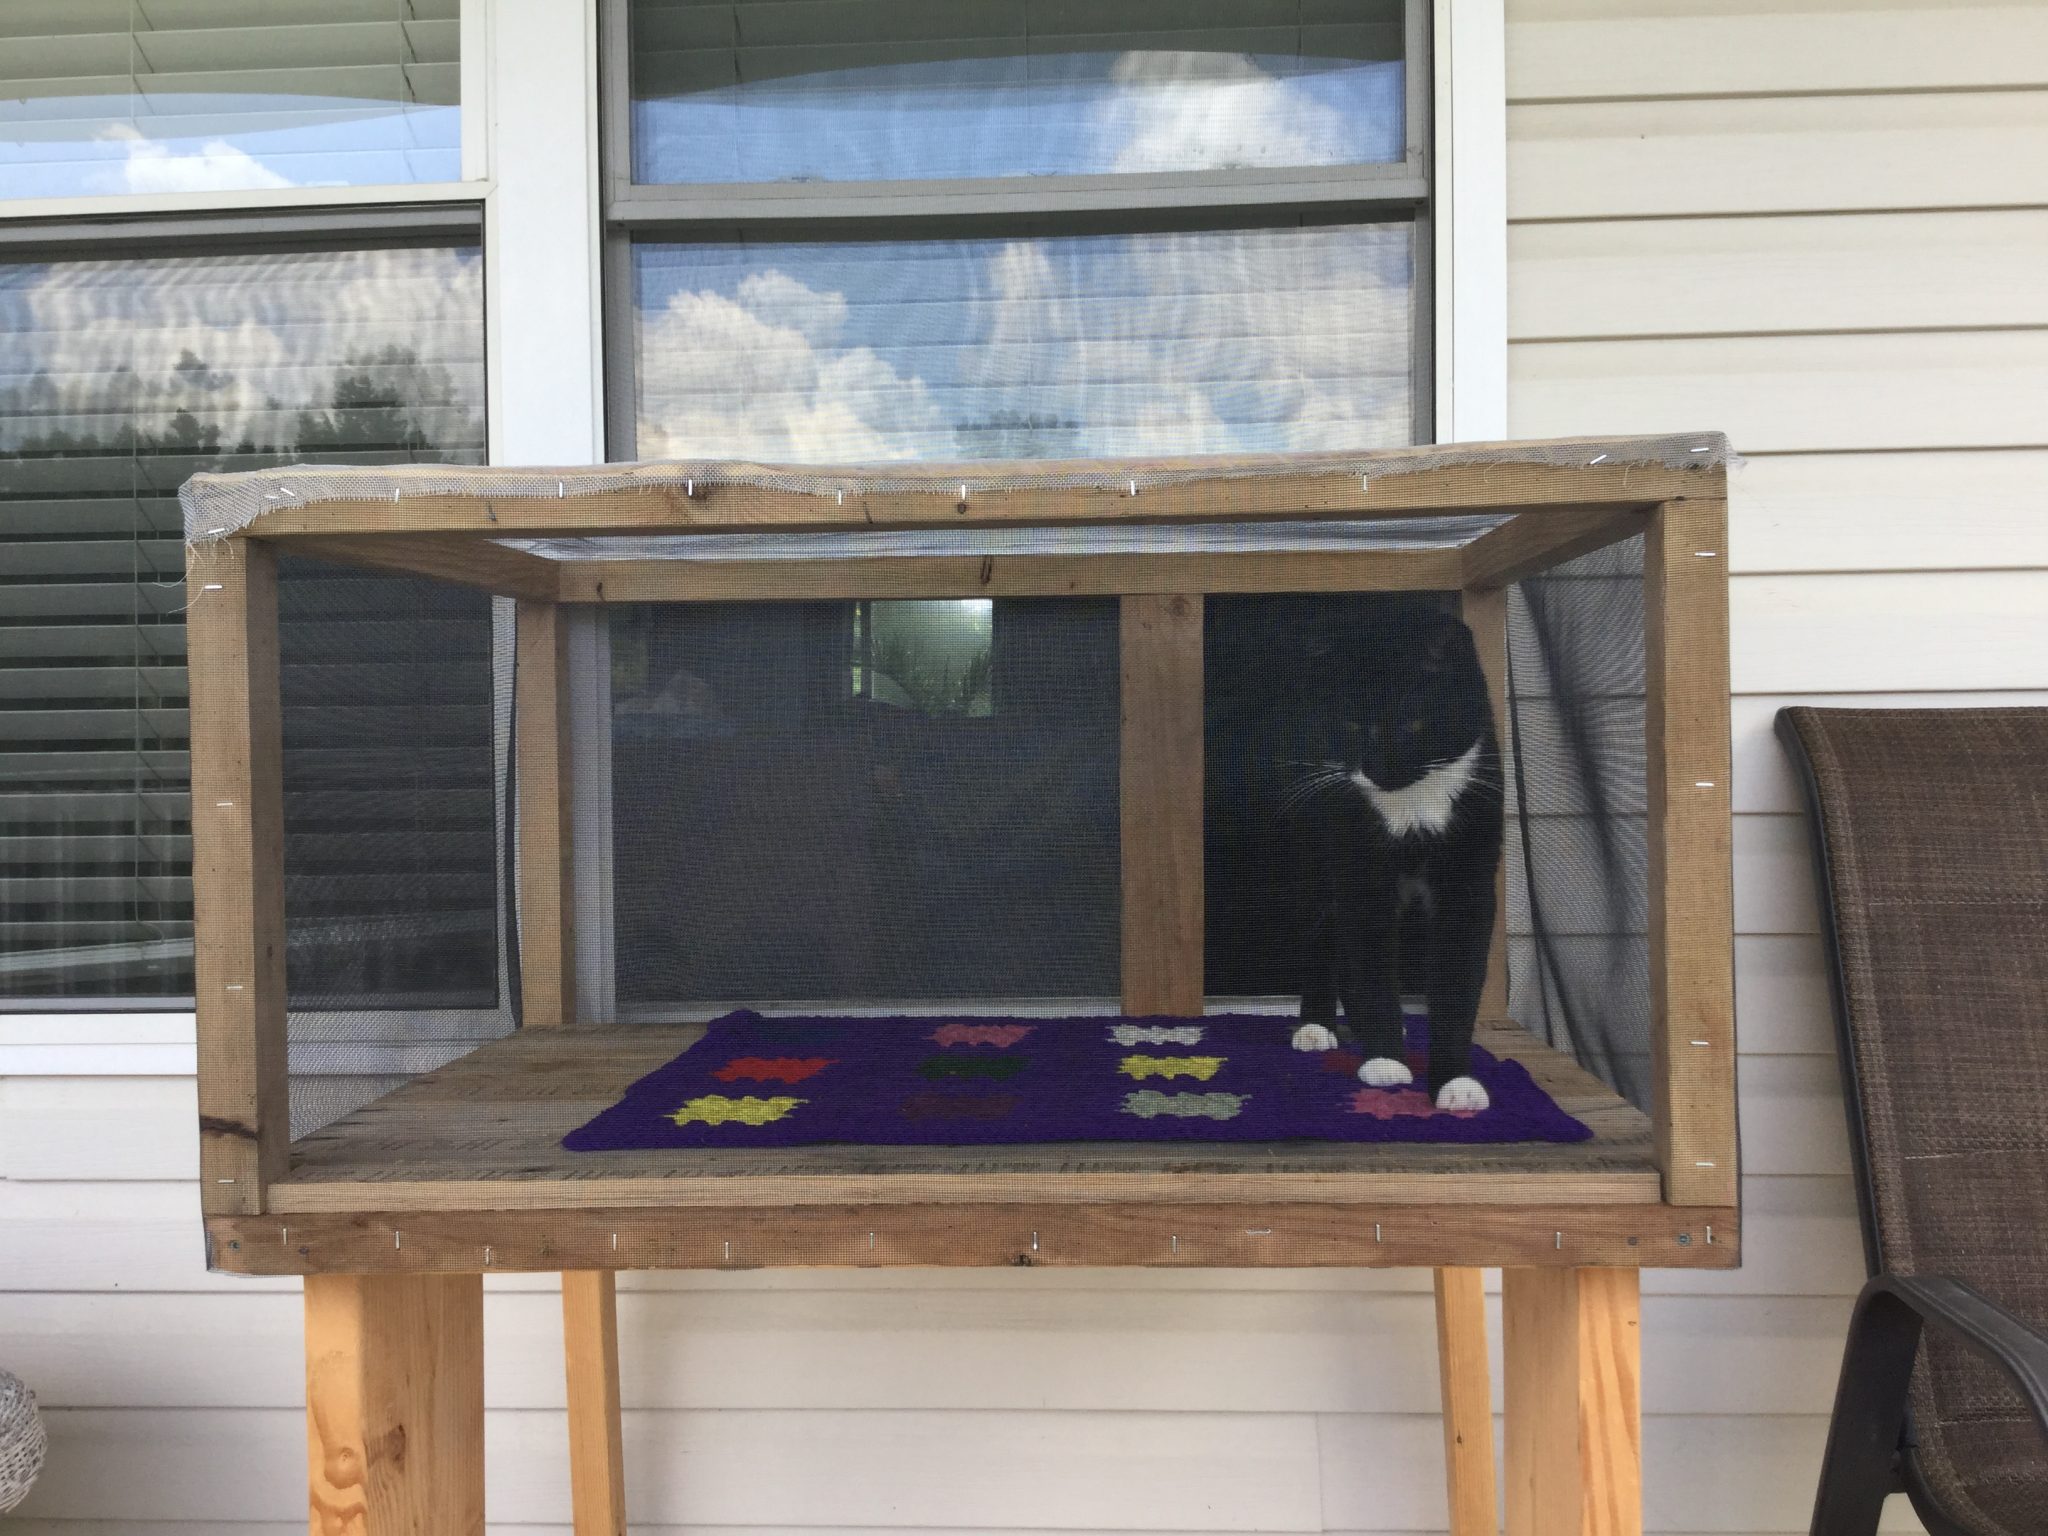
x=484, y=1133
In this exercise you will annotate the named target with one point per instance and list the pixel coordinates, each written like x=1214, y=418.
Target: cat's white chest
x=1426, y=805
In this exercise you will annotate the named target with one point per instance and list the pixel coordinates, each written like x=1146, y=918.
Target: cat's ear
x=1448, y=636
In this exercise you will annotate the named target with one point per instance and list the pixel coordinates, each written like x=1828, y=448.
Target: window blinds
x=120, y=378
x=101, y=96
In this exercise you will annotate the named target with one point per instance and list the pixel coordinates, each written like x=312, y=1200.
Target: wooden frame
x=393, y=1295
x=1551, y=513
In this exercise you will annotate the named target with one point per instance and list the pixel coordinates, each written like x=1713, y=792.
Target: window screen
x=110, y=96
x=122, y=378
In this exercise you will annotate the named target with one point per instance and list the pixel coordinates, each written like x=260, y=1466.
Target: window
x=126, y=373
x=233, y=325
x=858, y=229
x=840, y=801
x=164, y=96
x=861, y=230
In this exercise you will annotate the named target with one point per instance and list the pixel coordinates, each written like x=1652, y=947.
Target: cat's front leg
x=1372, y=1003
x=1462, y=931
x=1317, y=1030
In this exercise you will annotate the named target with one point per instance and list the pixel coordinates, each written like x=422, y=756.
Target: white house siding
x=1821, y=227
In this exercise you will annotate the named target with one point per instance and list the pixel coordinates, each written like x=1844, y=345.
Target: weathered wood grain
x=237, y=874
x=395, y=1404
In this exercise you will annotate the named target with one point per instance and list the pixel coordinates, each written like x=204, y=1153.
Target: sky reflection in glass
x=1221, y=341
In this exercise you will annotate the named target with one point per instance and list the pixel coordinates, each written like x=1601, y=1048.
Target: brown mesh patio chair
x=1931, y=841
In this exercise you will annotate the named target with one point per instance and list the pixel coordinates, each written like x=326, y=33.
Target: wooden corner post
x=547, y=992
x=395, y=1405
x=590, y=1353
x=1572, y=1406
x=1485, y=611
x=237, y=874
x=1160, y=791
x=546, y=872
x=1467, y=1382
x=1691, y=891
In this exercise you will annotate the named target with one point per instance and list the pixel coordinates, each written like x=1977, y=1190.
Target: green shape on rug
x=1150, y=1103
x=1000, y=1068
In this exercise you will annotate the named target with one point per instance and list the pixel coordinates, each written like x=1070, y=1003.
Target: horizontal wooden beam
x=660, y=507
x=1446, y=1185
x=1154, y=1234
x=1105, y=575
x=1526, y=546
x=464, y=561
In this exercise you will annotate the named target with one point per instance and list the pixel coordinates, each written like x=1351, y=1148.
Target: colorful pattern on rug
x=941, y=1081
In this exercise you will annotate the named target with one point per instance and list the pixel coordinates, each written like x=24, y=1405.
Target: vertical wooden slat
x=1691, y=918
x=1468, y=1401
x=395, y=1405
x=1161, y=790
x=547, y=902
x=237, y=874
x=1485, y=610
x=1572, y=1344
x=590, y=1340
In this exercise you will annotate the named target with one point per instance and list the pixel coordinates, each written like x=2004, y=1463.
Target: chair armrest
x=2011, y=1343
x=1857, y=1469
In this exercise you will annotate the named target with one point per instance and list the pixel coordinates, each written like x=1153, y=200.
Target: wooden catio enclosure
x=394, y=1207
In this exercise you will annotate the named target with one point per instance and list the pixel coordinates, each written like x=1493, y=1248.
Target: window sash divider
x=84, y=238
x=1182, y=192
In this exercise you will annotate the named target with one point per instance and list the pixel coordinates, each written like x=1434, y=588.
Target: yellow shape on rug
x=717, y=1109
x=1201, y=1068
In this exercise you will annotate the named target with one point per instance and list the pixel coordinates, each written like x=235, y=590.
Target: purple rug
x=975, y=1081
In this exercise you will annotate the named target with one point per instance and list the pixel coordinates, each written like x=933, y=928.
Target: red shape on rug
x=1002, y=1036
x=1401, y=1104
x=1346, y=1063
x=958, y=1106
x=772, y=1069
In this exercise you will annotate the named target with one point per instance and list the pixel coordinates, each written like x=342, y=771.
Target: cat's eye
x=1413, y=727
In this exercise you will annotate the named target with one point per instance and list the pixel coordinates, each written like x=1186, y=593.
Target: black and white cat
x=1394, y=841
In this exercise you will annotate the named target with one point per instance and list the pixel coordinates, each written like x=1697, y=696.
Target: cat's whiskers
x=1310, y=785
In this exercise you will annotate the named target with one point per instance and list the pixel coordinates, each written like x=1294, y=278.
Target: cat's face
x=1416, y=709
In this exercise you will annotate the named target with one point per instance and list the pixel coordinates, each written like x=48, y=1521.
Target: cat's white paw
x=1315, y=1037
x=1385, y=1072
x=1462, y=1093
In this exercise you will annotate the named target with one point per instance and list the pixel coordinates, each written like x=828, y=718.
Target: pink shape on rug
x=1401, y=1104
x=1001, y=1036
x=772, y=1069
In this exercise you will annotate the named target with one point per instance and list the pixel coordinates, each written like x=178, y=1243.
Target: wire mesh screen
x=1296, y=697
x=1359, y=799
x=867, y=804
x=393, y=760
x=858, y=803
x=1577, y=856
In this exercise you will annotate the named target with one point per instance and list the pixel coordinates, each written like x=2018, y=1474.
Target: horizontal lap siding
x=1818, y=226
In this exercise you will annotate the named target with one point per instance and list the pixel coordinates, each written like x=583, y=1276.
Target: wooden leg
x=395, y=1404
x=1468, y=1401
x=590, y=1339
x=1573, y=1401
